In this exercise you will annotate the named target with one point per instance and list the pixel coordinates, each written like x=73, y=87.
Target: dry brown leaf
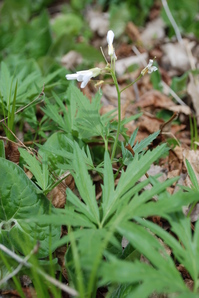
x=133, y=32
x=71, y=60
x=180, y=109
x=154, y=98
x=98, y=22
x=150, y=124
x=12, y=152
x=58, y=194
x=176, y=56
x=154, y=30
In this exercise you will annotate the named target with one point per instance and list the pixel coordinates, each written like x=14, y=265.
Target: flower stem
x=131, y=83
x=119, y=114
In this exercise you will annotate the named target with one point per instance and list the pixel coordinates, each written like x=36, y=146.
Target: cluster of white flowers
x=84, y=76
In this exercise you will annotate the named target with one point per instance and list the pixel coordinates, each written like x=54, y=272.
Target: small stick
x=6, y=278
x=49, y=278
x=173, y=117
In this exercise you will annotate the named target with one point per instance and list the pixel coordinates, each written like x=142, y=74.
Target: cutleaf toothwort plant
x=85, y=75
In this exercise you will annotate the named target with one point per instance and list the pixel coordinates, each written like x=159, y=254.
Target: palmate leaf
x=186, y=249
x=169, y=204
x=170, y=280
x=85, y=187
x=136, y=169
x=138, y=148
x=144, y=279
x=88, y=120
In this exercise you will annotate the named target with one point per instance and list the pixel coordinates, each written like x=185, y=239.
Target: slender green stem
x=119, y=114
x=131, y=83
x=106, y=144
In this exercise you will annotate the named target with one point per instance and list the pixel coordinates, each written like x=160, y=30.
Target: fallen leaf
x=98, y=22
x=175, y=56
x=71, y=60
x=133, y=32
x=12, y=152
x=58, y=194
x=154, y=30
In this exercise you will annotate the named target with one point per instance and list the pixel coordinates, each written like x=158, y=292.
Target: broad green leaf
x=20, y=199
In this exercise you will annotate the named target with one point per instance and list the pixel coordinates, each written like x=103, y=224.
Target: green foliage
x=78, y=141
x=193, y=132
x=99, y=223
x=139, y=148
x=20, y=199
x=71, y=21
x=179, y=84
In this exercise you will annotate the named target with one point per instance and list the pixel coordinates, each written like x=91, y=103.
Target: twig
x=6, y=278
x=173, y=22
x=49, y=278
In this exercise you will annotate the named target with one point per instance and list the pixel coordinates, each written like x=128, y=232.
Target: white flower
x=149, y=68
x=84, y=76
x=110, y=37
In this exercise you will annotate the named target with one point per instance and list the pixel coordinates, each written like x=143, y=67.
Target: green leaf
x=185, y=248
x=20, y=199
x=192, y=175
x=88, y=120
x=154, y=251
x=37, y=168
x=138, y=148
x=137, y=169
x=108, y=187
x=67, y=217
x=84, y=183
x=2, y=149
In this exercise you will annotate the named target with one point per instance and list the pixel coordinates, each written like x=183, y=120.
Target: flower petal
x=71, y=76
x=110, y=37
x=85, y=80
